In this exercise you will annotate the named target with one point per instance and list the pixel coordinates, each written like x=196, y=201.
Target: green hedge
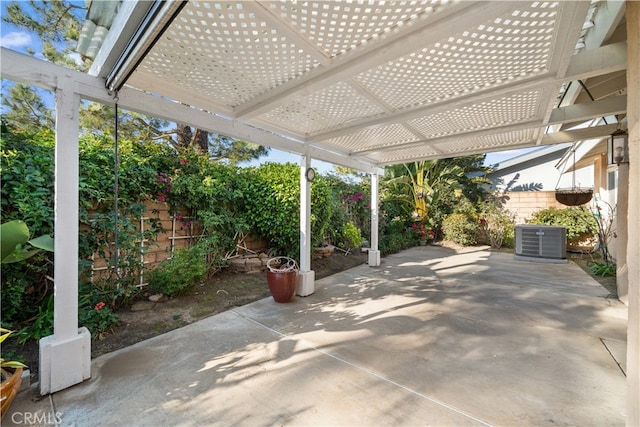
x=460, y=228
x=579, y=222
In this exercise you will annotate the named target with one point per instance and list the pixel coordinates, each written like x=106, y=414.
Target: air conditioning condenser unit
x=541, y=243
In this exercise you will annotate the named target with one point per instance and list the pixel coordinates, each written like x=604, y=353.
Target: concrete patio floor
x=431, y=337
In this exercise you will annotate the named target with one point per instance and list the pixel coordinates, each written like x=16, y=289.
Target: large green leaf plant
x=16, y=245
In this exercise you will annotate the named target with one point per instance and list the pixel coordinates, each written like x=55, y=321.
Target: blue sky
x=19, y=40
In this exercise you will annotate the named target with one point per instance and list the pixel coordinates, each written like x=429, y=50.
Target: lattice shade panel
x=368, y=80
x=510, y=47
x=485, y=115
x=225, y=51
x=373, y=137
x=345, y=25
x=323, y=110
x=488, y=142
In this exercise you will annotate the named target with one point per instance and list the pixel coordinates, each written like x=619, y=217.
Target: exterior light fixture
x=310, y=174
x=618, y=148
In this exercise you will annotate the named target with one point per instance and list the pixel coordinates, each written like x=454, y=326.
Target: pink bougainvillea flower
x=162, y=199
x=99, y=306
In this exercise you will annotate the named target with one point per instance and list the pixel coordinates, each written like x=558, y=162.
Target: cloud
x=16, y=39
x=76, y=58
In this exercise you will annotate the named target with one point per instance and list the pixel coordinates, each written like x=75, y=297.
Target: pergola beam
x=579, y=134
x=582, y=112
x=604, y=60
x=25, y=69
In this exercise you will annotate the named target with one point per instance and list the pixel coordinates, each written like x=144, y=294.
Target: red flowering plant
x=164, y=186
x=98, y=318
x=186, y=223
x=422, y=234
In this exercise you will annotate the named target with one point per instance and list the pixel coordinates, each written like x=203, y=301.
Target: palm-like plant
x=425, y=181
x=8, y=363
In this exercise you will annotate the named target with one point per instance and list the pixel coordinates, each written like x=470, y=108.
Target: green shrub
x=396, y=236
x=323, y=209
x=460, y=228
x=179, y=274
x=578, y=221
x=42, y=326
x=272, y=200
x=498, y=225
x=352, y=235
x=603, y=269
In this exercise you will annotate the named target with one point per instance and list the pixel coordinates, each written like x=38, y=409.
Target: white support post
x=65, y=356
x=374, y=253
x=633, y=214
x=306, y=276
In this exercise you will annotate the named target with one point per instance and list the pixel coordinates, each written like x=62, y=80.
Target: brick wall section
x=159, y=249
x=525, y=203
x=180, y=233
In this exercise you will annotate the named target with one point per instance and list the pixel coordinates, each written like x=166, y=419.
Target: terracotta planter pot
x=282, y=285
x=9, y=389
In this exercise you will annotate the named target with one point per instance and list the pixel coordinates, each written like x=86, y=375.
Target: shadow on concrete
x=432, y=336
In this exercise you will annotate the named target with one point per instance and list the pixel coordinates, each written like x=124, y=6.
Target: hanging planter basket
x=574, y=196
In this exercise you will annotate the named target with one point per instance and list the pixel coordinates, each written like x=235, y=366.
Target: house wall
x=606, y=201
x=633, y=216
x=539, y=174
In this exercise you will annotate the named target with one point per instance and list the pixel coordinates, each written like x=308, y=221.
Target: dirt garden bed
x=221, y=292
